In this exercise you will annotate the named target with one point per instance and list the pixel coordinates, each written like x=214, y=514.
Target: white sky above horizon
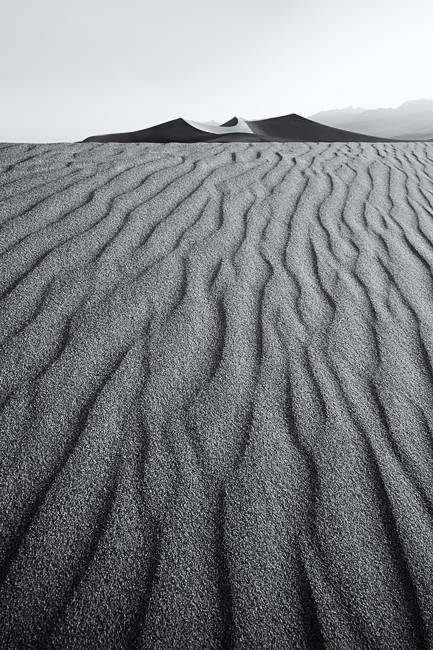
x=69, y=70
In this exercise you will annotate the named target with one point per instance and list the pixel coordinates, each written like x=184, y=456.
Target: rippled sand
x=217, y=396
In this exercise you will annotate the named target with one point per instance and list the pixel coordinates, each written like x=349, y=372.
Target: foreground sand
x=217, y=396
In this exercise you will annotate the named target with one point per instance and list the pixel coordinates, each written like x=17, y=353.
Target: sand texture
x=216, y=396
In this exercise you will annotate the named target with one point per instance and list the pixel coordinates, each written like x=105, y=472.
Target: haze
x=68, y=71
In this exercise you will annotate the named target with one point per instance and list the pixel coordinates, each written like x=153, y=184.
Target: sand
x=285, y=128
x=217, y=396
x=241, y=126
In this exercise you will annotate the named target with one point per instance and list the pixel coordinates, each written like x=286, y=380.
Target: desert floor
x=216, y=396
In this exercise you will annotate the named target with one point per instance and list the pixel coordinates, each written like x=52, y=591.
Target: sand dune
x=239, y=126
x=217, y=396
x=286, y=128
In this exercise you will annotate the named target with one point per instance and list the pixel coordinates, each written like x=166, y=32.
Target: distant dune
x=412, y=120
x=287, y=128
x=216, y=394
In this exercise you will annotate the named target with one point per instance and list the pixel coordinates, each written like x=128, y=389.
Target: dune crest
x=240, y=126
x=285, y=128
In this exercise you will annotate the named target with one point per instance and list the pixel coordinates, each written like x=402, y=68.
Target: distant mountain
x=412, y=120
x=424, y=137
x=338, y=117
x=286, y=128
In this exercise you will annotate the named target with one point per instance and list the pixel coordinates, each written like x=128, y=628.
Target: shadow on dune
x=287, y=128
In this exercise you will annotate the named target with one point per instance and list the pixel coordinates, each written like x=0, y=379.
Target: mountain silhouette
x=413, y=120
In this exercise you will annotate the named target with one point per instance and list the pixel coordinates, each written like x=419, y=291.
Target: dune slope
x=216, y=396
x=286, y=128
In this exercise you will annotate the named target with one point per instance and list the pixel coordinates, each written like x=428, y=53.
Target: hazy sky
x=73, y=69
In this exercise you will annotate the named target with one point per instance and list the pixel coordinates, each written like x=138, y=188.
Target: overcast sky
x=69, y=70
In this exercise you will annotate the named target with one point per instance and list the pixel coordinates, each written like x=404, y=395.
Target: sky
x=73, y=69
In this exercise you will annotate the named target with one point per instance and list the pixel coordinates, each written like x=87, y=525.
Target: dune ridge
x=285, y=128
x=216, y=396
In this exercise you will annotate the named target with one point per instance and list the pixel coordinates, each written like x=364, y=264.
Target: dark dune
x=287, y=128
x=217, y=396
x=295, y=128
x=173, y=131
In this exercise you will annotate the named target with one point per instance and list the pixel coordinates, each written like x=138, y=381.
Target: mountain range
x=412, y=120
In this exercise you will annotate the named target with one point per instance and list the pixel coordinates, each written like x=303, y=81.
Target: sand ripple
x=217, y=396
